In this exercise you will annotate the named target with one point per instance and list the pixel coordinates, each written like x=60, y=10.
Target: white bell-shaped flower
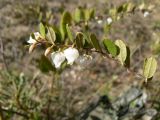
x=109, y=20
x=99, y=21
x=146, y=13
x=31, y=40
x=58, y=58
x=71, y=55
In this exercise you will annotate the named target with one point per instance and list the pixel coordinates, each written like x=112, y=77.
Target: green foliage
x=78, y=14
x=57, y=33
x=111, y=47
x=106, y=28
x=32, y=35
x=42, y=30
x=131, y=7
x=79, y=40
x=113, y=13
x=122, y=51
x=83, y=14
x=66, y=19
x=127, y=61
x=149, y=67
x=51, y=35
x=69, y=33
x=95, y=42
x=88, y=14
x=59, y=36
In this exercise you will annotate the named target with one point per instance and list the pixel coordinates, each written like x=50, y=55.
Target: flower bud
x=31, y=48
x=109, y=20
x=34, y=40
x=146, y=13
x=71, y=54
x=58, y=58
x=48, y=50
x=37, y=35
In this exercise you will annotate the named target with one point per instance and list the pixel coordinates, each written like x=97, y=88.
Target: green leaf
x=120, y=9
x=42, y=30
x=107, y=28
x=89, y=13
x=86, y=39
x=122, y=51
x=66, y=19
x=79, y=40
x=127, y=61
x=149, y=67
x=110, y=47
x=45, y=65
x=78, y=15
x=58, y=34
x=51, y=36
x=69, y=33
x=95, y=42
x=113, y=13
x=131, y=7
x=32, y=35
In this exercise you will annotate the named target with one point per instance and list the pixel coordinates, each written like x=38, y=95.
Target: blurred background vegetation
x=24, y=88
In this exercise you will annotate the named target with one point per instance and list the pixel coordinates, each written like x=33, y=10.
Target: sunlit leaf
x=89, y=13
x=131, y=7
x=51, y=36
x=42, y=30
x=122, y=51
x=149, y=67
x=78, y=15
x=113, y=13
x=110, y=47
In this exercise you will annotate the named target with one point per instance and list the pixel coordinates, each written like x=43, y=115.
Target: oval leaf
x=78, y=15
x=51, y=36
x=42, y=30
x=66, y=19
x=95, y=42
x=149, y=67
x=122, y=51
x=110, y=47
x=69, y=33
x=79, y=40
x=89, y=13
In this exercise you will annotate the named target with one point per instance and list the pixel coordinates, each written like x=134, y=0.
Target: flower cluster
x=71, y=54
